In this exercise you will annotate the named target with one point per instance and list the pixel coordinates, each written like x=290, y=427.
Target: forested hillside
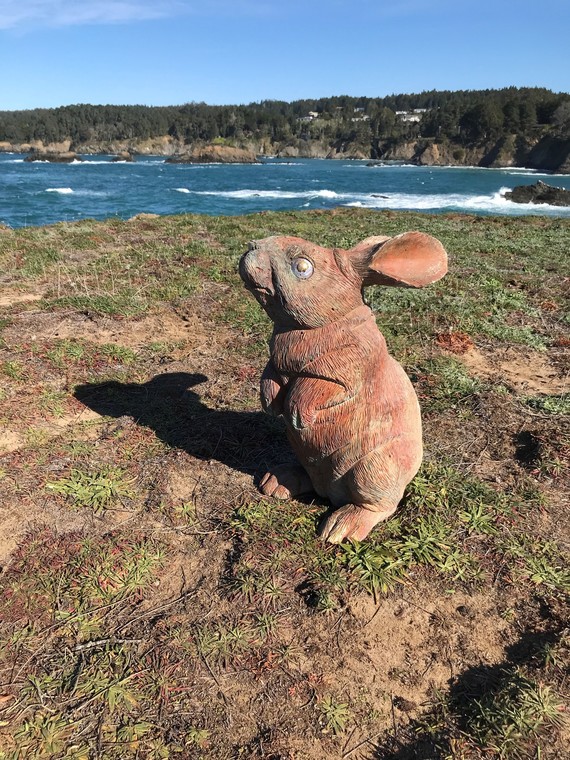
x=520, y=126
x=464, y=115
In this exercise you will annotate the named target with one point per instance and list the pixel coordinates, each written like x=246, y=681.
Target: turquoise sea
x=43, y=193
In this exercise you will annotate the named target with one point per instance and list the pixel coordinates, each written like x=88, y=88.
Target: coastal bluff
x=550, y=154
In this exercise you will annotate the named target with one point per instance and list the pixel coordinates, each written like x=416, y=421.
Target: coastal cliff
x=549, y=154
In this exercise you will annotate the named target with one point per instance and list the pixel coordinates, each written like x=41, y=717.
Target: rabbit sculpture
x=351, y=413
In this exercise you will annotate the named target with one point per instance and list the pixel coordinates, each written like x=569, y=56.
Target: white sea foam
x=277, y=194
x=92, y=193
x=372, y=165
x=82, y=162
x=109, y=162
x=85, y=193
x=528, y=173
x=495, y=203
x=520, y=170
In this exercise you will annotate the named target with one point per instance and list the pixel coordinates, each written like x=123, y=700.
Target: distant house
x=413, y=116
x=311, y=116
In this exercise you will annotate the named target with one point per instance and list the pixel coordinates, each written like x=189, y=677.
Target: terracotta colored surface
x=352, y=415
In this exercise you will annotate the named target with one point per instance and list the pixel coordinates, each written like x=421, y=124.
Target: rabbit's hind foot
x=285, y=482
x=351, y=522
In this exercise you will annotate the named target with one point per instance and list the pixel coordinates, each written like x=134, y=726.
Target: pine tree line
x=466, y=116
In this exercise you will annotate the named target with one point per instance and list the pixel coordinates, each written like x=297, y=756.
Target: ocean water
x=43, y=193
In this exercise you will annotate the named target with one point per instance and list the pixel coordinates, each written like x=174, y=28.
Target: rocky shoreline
x=547, y=154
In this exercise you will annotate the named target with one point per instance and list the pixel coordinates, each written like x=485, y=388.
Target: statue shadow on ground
x=469, y=693
x=168, y=404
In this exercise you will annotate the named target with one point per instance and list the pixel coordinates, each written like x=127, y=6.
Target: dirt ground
x=249, y=638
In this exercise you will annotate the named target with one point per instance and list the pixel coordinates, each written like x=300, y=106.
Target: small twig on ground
x=347, y=742
x=103, y=642
x=393, y=715
x=53, y=628
x=220, y=691
x=378, y=608
x=434, y=613
x=357, y=746
x=154, y=610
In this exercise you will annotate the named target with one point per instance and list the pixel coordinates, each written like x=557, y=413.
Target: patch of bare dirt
x=409, y=647
x=164, y=327
x=11, y=297
x=525, y=371
x=142, y=216
x=12, y=440
x=22, y=514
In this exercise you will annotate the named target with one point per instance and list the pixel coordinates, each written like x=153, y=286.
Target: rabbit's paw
x=350, y=522
x=285, y=482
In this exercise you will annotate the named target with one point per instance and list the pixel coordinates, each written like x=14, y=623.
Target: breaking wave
x=85, y=193
x=493, y=203
x=276, y=194
x=110, y=162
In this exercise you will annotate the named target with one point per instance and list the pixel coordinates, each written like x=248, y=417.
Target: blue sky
x=167, y=52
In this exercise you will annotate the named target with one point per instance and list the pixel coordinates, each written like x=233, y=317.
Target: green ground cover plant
x=154, y=605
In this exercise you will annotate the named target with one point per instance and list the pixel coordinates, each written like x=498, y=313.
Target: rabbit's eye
x=302, y=268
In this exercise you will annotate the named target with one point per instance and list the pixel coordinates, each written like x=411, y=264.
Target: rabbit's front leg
x=287, y=480
x=272, y=391
x=308, y=397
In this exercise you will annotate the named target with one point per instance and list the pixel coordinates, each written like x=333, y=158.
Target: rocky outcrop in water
x=215, y=154
x=124, y=155
x=539, y=193
x=55, y=158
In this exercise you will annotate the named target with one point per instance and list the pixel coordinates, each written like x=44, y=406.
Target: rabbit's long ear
x=410, y=260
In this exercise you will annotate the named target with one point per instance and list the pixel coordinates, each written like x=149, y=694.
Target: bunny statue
x=351, y=413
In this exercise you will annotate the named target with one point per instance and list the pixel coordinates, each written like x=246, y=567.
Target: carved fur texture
x=351, y=413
